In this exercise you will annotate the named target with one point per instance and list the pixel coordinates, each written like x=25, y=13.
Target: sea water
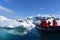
x=33, y=34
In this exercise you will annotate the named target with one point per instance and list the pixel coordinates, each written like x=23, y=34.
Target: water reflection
x=43, y=36
x=32, y=35
x=49, y=36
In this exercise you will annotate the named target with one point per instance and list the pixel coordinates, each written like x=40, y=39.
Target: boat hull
x=49, y=30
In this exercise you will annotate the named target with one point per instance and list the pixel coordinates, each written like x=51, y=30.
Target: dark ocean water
x=31, y=35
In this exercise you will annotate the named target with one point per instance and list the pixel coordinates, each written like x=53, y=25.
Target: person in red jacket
x=54, y=23
x=44, y=23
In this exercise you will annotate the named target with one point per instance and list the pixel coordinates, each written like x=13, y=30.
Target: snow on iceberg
x=19, y=28
x=5, y=22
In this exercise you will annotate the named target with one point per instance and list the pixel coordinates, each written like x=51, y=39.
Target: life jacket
x=54, y=23
x=44, y=24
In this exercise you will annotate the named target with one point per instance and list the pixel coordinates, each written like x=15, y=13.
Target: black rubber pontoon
x=50, y=29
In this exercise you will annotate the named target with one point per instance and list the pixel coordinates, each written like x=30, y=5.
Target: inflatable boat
x=50, y=29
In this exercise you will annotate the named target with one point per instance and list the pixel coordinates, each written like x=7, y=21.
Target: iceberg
x=16, y=27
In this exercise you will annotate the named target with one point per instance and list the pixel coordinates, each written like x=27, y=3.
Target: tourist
x=54, y=23
x=44, y=23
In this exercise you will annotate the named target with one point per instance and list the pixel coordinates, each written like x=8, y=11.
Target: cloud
x=5, y=10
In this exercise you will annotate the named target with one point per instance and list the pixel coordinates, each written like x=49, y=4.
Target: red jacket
x=54, y=23
x=44, y=23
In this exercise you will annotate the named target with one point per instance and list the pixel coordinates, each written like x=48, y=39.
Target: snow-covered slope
x=37, y=19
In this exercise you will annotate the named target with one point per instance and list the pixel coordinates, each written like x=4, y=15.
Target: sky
x=24, y=8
